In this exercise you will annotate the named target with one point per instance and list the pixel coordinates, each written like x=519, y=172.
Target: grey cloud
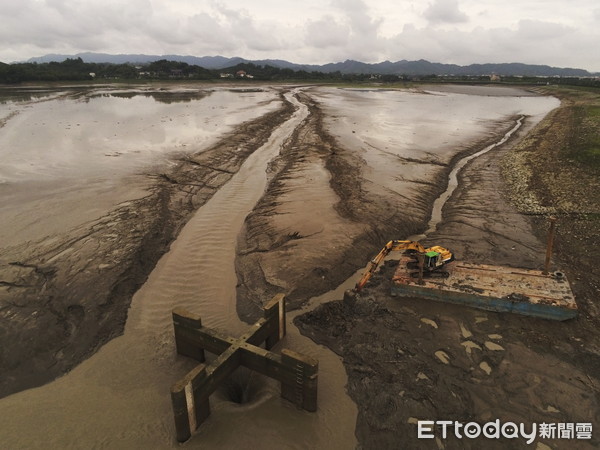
x=530, y=42
x=539, y=30
x=252, y=33
x=355, y=32
x=326, y=32
x=344, y=29
x=445, y=11
x=57, y=24
x=358, y=16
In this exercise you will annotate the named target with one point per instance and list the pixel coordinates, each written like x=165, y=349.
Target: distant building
x=92, y=74
x=226, y=75
x=240, y=73
x=494, y=77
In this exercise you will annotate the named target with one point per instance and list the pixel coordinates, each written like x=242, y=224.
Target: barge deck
x=493, y=288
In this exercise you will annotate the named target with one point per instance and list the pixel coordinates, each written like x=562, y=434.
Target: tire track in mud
x=453, y=180
x=63, y=297
x=282, y=248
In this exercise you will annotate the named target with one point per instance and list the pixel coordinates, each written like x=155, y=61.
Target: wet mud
x=125, y=384
x=411, y=359
x=324, y=213
x=285, y=248
x=330, y=203
x=77, y=286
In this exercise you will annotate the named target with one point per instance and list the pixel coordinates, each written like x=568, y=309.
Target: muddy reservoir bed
x=358, y=168
x=411, y=359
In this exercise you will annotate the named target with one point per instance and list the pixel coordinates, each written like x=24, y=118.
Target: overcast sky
x=555, y=32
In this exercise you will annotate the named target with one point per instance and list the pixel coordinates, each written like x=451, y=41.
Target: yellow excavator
x=434, y=258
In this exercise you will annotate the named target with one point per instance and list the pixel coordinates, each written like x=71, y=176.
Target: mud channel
x=82, y=229
x=294, y=200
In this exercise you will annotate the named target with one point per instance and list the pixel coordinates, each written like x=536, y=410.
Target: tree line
x=77, y=70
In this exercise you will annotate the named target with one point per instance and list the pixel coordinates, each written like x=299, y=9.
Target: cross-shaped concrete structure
x=190, y=396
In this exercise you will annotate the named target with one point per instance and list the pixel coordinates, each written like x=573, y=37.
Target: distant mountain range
x=421, y=67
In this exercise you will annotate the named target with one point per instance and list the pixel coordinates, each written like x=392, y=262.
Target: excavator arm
x=404, y=246
x=389, y=247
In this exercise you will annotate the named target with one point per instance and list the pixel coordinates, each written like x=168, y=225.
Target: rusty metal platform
x=493, y=288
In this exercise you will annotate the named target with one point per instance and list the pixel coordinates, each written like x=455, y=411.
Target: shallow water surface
x=76, y=154
x=108, y=133
x=408, y=138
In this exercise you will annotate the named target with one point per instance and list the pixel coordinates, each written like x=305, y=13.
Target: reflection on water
x=407, y=136
x=106, y=132
x=16, y=95
x=162, y=96
x=69, y=146
x=411, y=123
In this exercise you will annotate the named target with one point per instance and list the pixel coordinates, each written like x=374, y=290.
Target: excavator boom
x=442, y=256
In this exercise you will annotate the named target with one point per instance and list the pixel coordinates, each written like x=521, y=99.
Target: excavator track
x=434, y=274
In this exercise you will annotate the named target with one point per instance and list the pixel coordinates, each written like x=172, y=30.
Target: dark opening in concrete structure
x=243, y=386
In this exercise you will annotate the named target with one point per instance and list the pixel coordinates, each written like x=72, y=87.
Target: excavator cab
x=432, y=260
x=437, y=256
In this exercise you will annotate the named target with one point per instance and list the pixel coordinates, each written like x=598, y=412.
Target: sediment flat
x=353, y=174
x=76, y=285
x=411, y=359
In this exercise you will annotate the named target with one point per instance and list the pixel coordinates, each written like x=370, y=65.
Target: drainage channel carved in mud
x=124, y=384
x=438, y=204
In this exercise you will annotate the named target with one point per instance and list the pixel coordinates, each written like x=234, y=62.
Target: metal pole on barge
x=421, y=259
x=550, y=244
